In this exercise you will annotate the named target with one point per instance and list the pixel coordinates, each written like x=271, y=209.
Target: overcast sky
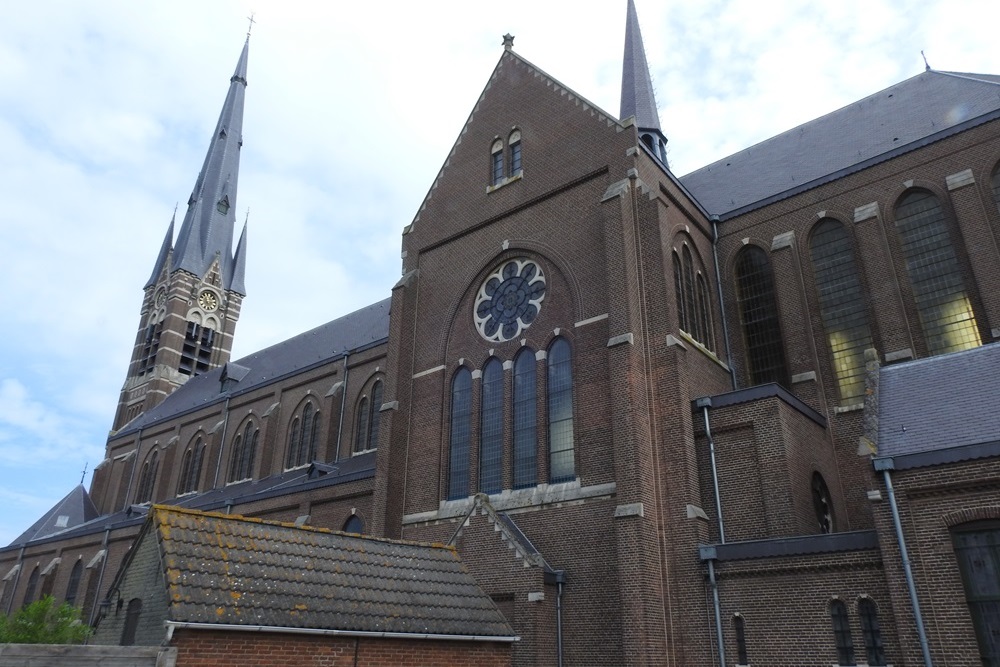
x=106, y=110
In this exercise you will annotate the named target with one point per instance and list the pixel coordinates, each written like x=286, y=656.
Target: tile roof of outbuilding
x=903, y=117
x=356, y=331
x=223, y=569
x=941, y=402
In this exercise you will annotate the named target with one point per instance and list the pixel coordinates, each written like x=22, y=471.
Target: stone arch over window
x=147, y=478
x=243, y=453
x=822, y=504
x=758, y=308
x=514, y=148
x=491, y=429
x=460, y=434
x=977, y=549
x=73, y=585
x=369, y=415
x=871, y=631
x=739, y=631
x=32, y=587
x=562, y=463
x=943, y=304
x=525, y=426
x=354, y=524
x=842, y=305
x=191, y=464
x=842, y=633
x=302, y=435
x=496, y=162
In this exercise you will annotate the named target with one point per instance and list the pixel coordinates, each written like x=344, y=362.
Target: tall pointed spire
x=164, y=254
x=637, y=88
x=207, y=230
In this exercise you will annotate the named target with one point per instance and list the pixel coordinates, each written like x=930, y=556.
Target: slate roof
x=225, y=569
x=941, y=402
x=924, y=108
x=356, y=331
x=637, y=87
x=75, y=509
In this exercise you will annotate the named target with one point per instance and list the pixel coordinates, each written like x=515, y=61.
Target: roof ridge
x=970, y=76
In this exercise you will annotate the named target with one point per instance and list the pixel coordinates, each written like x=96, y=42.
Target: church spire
x=207, y=231
x=165, y=248
x=637, y=88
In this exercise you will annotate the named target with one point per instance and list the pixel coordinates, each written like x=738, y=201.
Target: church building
x=745, y=416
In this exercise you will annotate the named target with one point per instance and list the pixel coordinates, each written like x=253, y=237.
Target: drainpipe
x=885, y=465
x=17, y=579
x=343, y=402
x=560, y=582
x=705, y=403
x=135, y=464
x=222, y=440
x=722, y=304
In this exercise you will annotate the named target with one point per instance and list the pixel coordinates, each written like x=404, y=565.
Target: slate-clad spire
x=207, y=230
x=637, y=88
x=161, y=258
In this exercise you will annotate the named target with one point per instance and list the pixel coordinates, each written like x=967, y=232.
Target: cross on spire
x=250, y=27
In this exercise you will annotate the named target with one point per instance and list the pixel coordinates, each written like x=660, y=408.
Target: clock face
x=161, y=298
x=208, y=301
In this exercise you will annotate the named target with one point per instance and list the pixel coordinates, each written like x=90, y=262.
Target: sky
x=107, y=108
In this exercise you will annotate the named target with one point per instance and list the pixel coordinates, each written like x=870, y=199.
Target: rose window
x=509, y=300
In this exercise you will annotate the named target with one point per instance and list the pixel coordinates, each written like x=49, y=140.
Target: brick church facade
x=664, y=421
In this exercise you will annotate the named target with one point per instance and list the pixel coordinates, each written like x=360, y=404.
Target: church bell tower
x=192, y=299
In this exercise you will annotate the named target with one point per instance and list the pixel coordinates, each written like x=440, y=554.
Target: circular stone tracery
x=509, y=300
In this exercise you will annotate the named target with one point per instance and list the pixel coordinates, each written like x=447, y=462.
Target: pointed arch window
x=354, y=525
x=945, y=310
x=369, y=415
x=842, y=633
x=705, y=335
x=191, y=464
x=496, y=162
x=460, y=435
x=132, y=613
x=562, y=465
x=977, y=548
x=196, y=354
x=822, y=504
x=739, y=630
x=302, y=437
x=682, y=314
x=150, y=346
x=871, y=631
x=244, y=451
x=29, y=592
x=73, y=585
x=491, y=429
x=689, y=303
x=758, y=306
x=841, y=304
x=514, y=141
x=525, y=423
x=147, y=479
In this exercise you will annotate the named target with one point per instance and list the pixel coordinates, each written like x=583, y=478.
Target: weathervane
x=84, y=473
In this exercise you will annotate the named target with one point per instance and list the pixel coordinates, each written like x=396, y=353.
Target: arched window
x=144, y=492
x=354, y=524
x=739, y=630
x=822, y=504
x=461, y=434
x=562, y=466
x=758, y=306
x=131, y=621
x=689, y=304
x=491, y=429
x=704, y=314
x=302, y=437
x=196, y=354
x=525, y=422
x=361, y=428
x=514, y=141
x=870, y=630
x=375, y=415
x=841, y=304
x=943, y=304
x=369, y=414
x=29, y=592
x=73, y=587
x=496, y=162
x=191, y=468
x=842, y=633
x=244, y=450
x=682, y=314
x=977, y=548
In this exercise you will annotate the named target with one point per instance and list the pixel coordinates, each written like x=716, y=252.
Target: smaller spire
x=508, y=42
x=637, y=88
x=165, y=248
x=240, y=261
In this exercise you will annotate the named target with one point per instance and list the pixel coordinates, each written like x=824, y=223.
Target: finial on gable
x=508, y=42
x=927, y=66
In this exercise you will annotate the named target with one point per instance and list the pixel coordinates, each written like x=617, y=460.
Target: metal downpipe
x=904, y=555
x=718, y=612
x=705, y=403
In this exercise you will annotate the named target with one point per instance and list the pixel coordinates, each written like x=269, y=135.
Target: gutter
x=174, y=625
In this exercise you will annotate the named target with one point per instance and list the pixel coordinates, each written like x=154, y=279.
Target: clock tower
x=192, y=299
